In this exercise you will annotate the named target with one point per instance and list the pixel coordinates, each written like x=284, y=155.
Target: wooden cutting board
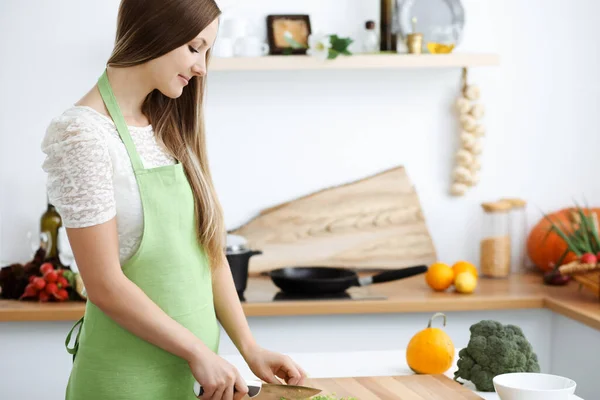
x=410, y=387
x=373, y=223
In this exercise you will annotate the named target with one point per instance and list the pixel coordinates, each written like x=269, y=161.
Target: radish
x=61, y=295
x=51, y=288
x=46, y=267
x=588, y=258
x=62, y=282
x=39, y=283
x=44, y=297
x=51, y=276
x=30, y=291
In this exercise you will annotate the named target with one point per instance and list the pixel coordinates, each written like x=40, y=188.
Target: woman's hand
x=217, y=377
x=268, y=365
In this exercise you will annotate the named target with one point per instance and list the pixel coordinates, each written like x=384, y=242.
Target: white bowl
x=533, y=386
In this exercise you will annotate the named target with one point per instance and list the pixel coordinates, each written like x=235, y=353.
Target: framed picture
x=298, y=25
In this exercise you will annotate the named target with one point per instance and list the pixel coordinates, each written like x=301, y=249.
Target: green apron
x=172, y=269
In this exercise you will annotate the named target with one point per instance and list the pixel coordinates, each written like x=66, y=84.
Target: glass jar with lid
x=495, y=245
x=518, y=235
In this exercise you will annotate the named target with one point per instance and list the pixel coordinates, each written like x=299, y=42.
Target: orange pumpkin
x=431, y=350
x=545, y=249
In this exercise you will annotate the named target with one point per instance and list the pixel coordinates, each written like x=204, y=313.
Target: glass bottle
x=50, y=222
x=370, y=40
x=495, y=246
x=386, y=26
x=518, y=235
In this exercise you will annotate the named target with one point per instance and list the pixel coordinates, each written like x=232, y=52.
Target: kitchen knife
x=267, y=391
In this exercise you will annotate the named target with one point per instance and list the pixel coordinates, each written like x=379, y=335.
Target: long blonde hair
x=148, y=29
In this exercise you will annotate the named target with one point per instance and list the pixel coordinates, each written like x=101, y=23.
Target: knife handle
x=253, y=388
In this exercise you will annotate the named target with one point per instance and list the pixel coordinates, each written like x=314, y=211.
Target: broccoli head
x=494, y=349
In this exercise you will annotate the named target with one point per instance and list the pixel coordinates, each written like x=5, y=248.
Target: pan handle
x=393, y=275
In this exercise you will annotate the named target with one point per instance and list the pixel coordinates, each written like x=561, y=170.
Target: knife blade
x=268, y=391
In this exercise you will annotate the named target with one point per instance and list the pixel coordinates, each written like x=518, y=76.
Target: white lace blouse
x=90, y=177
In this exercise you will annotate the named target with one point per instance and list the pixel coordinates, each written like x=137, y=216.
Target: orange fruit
x=439, y=276
x=464, y=266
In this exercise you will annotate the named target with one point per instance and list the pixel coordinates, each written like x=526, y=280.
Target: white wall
x=278, y=135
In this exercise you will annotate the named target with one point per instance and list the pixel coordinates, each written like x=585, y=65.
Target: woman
x=128, y=172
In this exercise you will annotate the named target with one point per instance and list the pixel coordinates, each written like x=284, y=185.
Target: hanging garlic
x=463, y=105
x=475, y=165
x=466, y=172
x=472, y=92
x=458, y=189
x=468, y=123
x=479, y=130
x=476, y=148
x=477, y=111
x=468, y=140
x=461, y=174
x=464, y=158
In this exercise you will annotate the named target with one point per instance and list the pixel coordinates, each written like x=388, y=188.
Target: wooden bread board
x=410, y=387
x=375, y=223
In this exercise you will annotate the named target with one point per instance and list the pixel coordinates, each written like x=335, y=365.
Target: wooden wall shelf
x=358, y=61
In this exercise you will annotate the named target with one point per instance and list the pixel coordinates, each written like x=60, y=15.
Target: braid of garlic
x=470, y=112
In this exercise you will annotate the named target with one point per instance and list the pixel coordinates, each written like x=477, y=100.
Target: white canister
x=234, y=27
x=223, y=47
x=250, y=46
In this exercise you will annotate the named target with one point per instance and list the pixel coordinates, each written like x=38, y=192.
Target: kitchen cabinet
x=349, y=344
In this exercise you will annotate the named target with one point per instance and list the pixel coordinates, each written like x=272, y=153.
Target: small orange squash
x=430, y=351
x=545, y=249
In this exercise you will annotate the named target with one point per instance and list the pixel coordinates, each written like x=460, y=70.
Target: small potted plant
x=322, y=46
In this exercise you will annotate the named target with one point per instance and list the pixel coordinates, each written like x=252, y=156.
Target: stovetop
x=350, y=295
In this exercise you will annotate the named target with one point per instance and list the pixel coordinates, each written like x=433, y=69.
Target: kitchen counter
x=549, y=316
x=404, y=296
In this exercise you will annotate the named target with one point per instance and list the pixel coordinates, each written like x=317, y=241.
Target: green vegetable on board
x=494, y=349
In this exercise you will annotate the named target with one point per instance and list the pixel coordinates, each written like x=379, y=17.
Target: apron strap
x=115, y=112
x=73, y=350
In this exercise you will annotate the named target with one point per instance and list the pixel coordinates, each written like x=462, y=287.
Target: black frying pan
x=328, y=280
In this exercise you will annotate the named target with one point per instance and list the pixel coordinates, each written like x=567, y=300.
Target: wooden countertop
x=404, y=296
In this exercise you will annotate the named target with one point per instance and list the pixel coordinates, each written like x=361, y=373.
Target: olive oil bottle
x=387, y=36
x=50, y=224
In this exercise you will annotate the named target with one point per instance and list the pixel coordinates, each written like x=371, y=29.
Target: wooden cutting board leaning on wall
x=374, y=223
x=410, y=387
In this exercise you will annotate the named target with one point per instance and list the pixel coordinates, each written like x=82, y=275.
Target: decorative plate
x=440, y=21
